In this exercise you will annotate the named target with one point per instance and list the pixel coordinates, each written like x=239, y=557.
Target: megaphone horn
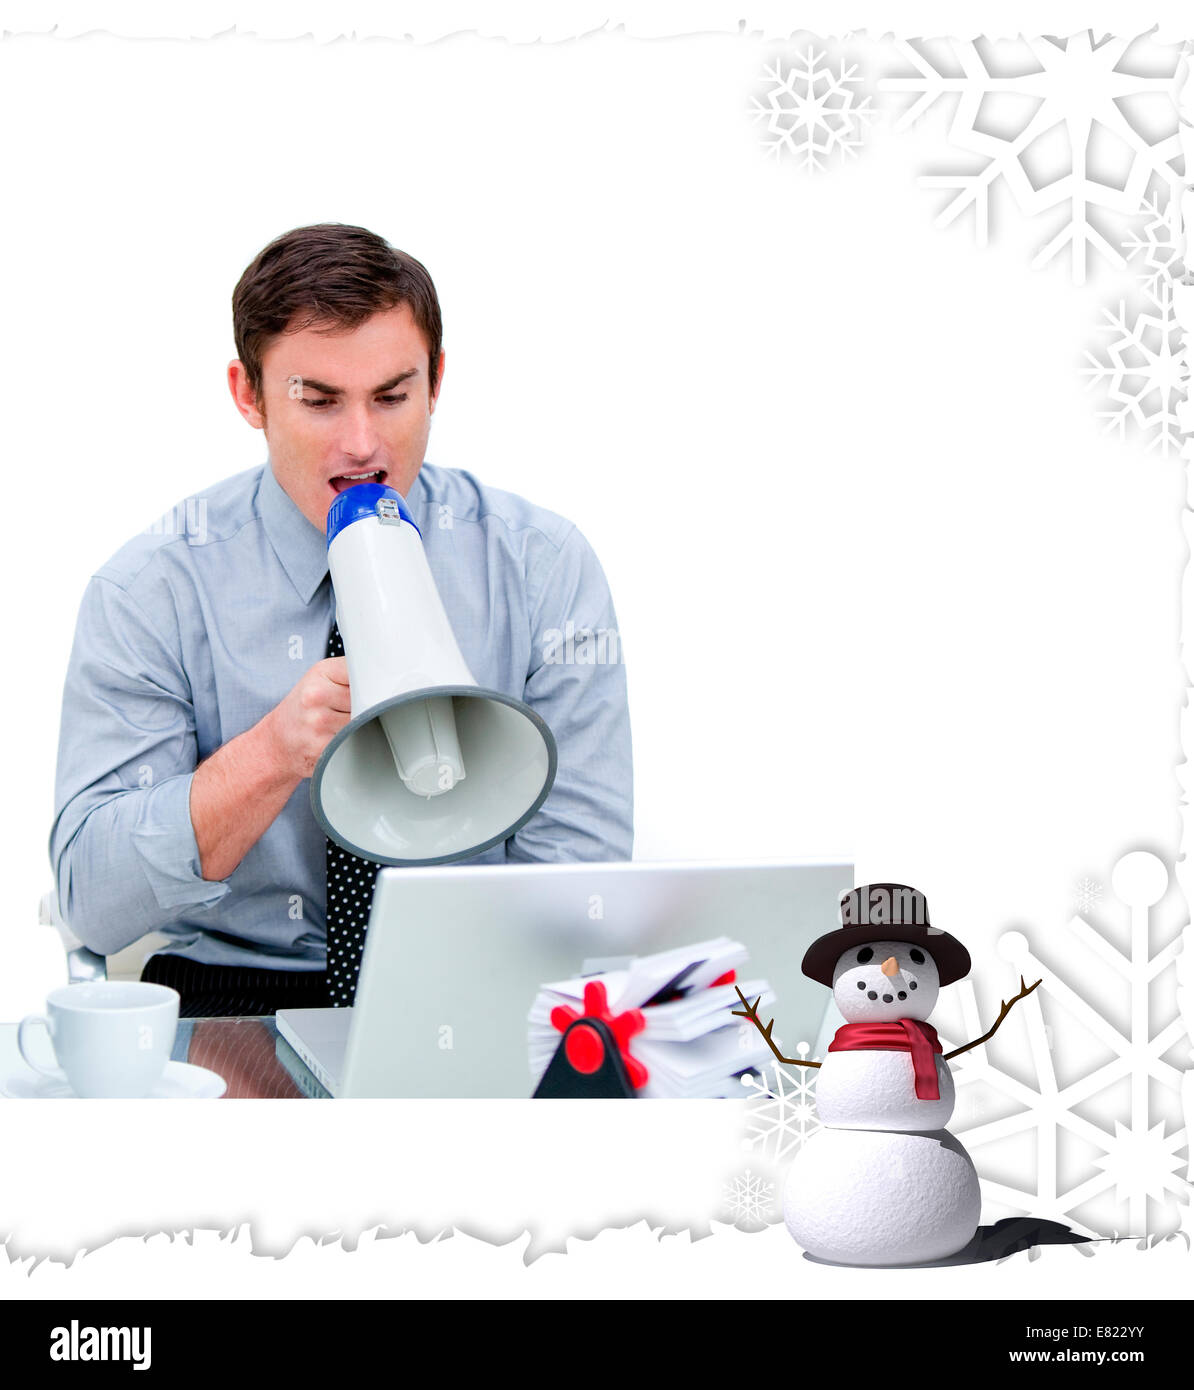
x=431, y=768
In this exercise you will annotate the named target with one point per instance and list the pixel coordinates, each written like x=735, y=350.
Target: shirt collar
x=300, y=547
x=415, y=495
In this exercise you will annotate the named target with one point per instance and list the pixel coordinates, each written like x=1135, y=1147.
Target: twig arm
x=1004, y=1009
x=752, y=1012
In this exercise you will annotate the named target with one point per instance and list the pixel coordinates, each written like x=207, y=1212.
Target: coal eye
x=864, y=955
x=917, y=956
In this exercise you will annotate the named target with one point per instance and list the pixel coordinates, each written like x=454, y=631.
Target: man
x=200, y=691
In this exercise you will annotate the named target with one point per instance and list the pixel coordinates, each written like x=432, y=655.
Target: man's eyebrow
x=324, y=389
x=397, y=380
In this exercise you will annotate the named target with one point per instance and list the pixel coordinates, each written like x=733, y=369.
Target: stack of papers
x=692, y=1046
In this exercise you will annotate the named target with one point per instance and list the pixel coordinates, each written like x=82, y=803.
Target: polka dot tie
x=350, y=896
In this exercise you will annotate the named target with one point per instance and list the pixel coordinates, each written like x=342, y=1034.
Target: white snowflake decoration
x=1137, y=1142
x=1072, y=127
x=1089, y=891
x=1143, y=366
x=812, y=114
x=750, y=1200
x=1156, y=243
x=782, y=1114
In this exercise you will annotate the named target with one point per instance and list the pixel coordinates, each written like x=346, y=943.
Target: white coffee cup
x=111, y=1037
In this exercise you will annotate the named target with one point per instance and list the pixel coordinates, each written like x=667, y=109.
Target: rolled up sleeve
x=577, y=683
x=122, y=846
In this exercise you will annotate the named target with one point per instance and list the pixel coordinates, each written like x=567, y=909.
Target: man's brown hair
x=334, y=274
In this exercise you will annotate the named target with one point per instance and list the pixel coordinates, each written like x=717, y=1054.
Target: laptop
x=454, y=958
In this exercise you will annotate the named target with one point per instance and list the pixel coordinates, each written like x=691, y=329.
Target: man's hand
x=236, y=794
x=302, y=725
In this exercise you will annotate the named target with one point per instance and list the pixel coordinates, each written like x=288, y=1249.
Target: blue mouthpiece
x=363, y=501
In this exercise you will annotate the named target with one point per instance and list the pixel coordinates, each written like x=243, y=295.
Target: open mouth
x=346, y=480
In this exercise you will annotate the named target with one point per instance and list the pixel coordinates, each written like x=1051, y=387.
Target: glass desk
x=248, y=1053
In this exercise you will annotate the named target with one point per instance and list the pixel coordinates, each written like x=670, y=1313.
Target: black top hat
x=885, y=912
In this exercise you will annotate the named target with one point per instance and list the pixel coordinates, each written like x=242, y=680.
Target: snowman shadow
x=1010, y=1236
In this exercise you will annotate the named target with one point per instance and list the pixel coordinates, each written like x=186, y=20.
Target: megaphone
x=432, y=767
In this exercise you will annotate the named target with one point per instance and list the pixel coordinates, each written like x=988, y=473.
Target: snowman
x=884, y=1182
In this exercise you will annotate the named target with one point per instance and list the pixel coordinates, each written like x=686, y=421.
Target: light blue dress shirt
x=195, y=630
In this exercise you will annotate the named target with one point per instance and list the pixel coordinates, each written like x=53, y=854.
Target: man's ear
x=439, y=381
x=244, y=395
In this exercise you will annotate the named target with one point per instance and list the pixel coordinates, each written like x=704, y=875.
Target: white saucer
x=180, y=1081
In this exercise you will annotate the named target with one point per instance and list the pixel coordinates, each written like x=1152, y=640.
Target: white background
x=884, y=591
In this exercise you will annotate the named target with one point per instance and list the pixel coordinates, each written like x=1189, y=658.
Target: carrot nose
x=890, y=967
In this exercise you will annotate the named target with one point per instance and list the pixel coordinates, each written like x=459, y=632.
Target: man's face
x=339, y=404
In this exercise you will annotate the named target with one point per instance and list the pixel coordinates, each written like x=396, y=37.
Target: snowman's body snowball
x=877, y=1090
x=881, y=1197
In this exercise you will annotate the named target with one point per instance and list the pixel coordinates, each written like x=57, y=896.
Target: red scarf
x=902, y=1035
